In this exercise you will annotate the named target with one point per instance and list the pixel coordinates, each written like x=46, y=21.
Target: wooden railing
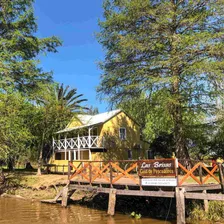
x=125, y=172
x=82, y=142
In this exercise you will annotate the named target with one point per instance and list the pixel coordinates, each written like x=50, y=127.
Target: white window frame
x=121, y=134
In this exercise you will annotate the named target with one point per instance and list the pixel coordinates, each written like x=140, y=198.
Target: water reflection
x=23, y=212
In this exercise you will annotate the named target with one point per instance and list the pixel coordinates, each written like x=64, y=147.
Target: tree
x=68, y=98
x=20, y=47
x=171, y=50
x=15, y=134
x=57, y=106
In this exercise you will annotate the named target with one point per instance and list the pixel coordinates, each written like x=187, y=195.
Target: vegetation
x=32, y=106
x=215, y=212
x=168, y=54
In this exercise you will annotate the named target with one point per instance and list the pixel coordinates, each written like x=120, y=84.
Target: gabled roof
x=91, y=120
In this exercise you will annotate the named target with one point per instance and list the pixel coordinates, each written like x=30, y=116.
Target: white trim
x=79, y=143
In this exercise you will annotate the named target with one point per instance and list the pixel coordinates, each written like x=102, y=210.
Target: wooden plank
x=180, y=205
x=82, y=187
x=203, y=196
x=202, y=187
x=164, y=194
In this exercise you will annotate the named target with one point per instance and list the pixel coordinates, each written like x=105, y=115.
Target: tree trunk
x=179, y=139
x=40, y=156
x=11, y=164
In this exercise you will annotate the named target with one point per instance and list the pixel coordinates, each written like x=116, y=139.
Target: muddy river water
x=17, y=211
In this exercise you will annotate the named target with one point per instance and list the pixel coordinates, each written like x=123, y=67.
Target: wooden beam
x=202, y=187
x=203, y=196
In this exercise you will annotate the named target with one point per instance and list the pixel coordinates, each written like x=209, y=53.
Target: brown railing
x=125, y=172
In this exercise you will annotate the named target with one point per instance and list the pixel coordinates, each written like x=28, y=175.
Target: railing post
x=90, y=173
x=140, y=177
x=69, y=171
x=221, y=176
x=89, y=138
x=200, y=173
x=111, y=175
x=176, y=168
x=65, y=148
x=78, y=147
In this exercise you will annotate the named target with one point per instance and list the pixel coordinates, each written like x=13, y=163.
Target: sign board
x=159, y=182
x=157, y=168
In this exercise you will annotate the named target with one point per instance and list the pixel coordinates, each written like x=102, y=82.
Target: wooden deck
x=124, y=178
x=126, y=172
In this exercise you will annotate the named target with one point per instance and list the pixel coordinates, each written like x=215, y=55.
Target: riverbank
x=27, y=185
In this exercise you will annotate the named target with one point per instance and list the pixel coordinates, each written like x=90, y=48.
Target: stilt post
x=64, y=201
x=221, y=177
x=180, y=205
x=112, y=202
x=205, y=202
x=111, y=175
x=69, y=170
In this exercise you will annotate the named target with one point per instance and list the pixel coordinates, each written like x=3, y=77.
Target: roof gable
x=98, y=118
x=91, y=120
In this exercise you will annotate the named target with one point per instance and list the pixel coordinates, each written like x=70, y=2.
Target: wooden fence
x=125, y=172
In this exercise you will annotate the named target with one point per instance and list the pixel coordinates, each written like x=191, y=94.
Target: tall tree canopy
x=19, y=46
x=170, y=50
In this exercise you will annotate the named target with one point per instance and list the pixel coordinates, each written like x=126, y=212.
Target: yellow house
x=111, y=135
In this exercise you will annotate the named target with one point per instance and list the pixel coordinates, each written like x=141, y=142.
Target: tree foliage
x=15, y=134
x=19, y=46
x=171, y=51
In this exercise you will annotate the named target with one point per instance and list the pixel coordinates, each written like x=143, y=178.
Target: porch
x=78, y=147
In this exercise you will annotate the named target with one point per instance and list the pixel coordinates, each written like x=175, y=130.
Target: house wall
x=62, y=164
x=117, y=148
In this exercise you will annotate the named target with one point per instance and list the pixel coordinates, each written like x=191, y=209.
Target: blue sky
x=74, y=22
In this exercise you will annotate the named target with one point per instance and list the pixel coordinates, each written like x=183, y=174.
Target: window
x=58, y=156
x=122, y=133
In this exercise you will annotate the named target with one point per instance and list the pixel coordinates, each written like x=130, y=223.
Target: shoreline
x=29, y=186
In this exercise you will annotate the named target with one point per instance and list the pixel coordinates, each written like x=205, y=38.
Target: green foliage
x=56, y=106
x=19, y=47
x=169, y=52
x=215, y=212
x=15, y=135
x=135, y=215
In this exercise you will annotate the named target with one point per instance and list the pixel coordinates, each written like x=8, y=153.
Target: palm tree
x=68, y=98
x=59, y=105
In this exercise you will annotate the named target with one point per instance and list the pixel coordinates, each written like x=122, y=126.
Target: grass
x=215, y=213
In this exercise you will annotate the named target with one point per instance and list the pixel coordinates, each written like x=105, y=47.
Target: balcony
x=78, y=143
